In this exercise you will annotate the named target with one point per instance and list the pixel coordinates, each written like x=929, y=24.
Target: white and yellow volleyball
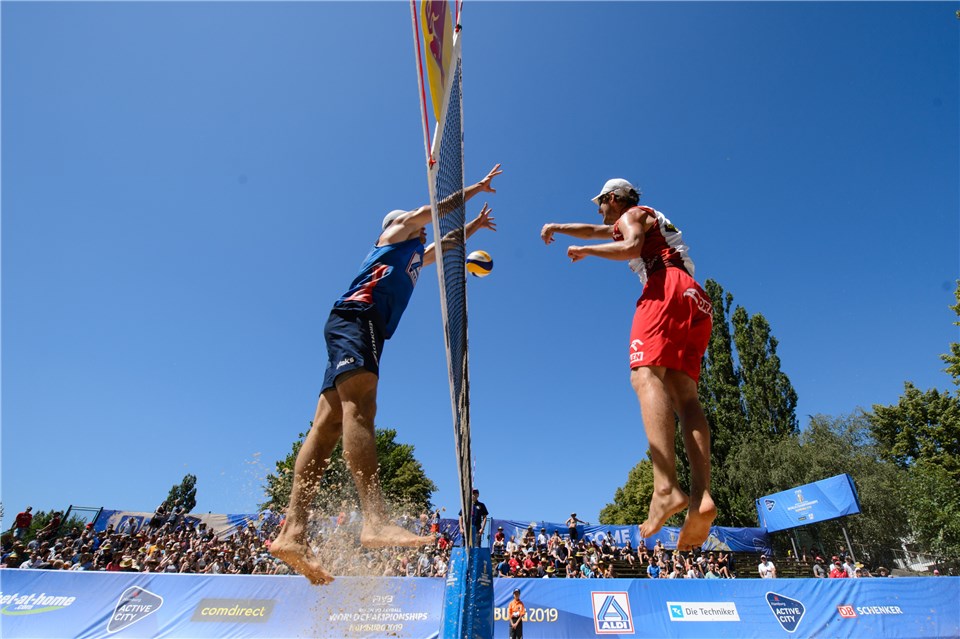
x=479, y=264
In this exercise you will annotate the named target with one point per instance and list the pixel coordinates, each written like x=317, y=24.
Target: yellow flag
x=438, y=42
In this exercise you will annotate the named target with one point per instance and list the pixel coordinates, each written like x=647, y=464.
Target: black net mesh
x=449, y=194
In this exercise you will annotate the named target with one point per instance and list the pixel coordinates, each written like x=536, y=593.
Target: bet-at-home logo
x=33, y=603
x=611, y=613
x=135, y=604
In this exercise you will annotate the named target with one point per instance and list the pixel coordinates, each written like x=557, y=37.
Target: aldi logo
x=770, y=504
x=788, y=611
x=847, y=612
x=135, y=604
x=611, y=613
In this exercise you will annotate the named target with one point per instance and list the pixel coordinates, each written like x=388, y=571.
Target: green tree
x=768, y=395
x=953, y=357
x=403, y=481
x=185, y=492
x=922, y=426
x=748, y=401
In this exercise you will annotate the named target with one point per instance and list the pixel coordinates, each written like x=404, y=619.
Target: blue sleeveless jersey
x=385, y=283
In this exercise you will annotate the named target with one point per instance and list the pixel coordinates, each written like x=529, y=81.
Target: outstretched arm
x=582, y=231
x=411, y=222
x=483, y=221
x=631, y=227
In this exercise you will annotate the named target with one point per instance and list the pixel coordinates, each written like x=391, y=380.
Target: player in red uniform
x=670, y=332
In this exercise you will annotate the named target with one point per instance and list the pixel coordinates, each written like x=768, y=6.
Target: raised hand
x=485, y=219
x=485, y=183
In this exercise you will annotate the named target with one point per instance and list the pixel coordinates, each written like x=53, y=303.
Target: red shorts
x=672, y=324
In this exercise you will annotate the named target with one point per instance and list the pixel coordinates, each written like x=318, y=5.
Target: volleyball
x=479, y=263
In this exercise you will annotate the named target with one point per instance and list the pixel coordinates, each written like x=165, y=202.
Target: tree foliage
x=185, y=492
x=953, y=357
x=921, y=435
x=403, y=481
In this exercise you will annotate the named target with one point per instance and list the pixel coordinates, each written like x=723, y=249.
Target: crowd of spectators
x=169, y=542
x=172, y=542
x=545, y=556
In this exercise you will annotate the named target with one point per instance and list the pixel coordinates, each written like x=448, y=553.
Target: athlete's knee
x=644, y=378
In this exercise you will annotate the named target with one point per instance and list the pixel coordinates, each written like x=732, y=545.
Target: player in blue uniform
x=359, y=323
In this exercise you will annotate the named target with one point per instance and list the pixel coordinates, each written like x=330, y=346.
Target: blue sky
x=186, y=188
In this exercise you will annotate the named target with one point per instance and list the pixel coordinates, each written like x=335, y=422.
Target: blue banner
x=822, y=500
x=45, y=604
x=752, y=540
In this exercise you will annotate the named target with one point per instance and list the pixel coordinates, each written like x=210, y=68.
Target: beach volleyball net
x=446, y=180
x=468, y=590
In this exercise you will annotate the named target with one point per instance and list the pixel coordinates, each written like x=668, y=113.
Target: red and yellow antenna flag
x=438, y=41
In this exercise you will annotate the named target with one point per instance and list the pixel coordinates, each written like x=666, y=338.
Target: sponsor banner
x=55, y=604
x=751, y=540
x=820, y=501
x=703, y=611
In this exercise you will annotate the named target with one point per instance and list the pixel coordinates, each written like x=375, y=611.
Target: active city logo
x=135, y=604
x=33, y=603
x=849, y=611
x=788, y=611
x=703, y=611
x=234, y=610
x=611, y=613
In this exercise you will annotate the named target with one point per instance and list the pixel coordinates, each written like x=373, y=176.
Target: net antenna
x=445, y=179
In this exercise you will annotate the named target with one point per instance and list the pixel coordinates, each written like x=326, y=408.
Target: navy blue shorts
x=354, y=341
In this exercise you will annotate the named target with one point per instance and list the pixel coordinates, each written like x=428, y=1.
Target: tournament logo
x=135, y=604
x=788, y=611
x=611, y=613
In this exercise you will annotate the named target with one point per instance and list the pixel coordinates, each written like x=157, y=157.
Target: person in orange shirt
x=515, y=612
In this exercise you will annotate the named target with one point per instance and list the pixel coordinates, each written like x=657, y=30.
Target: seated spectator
x=766, y=568
x=711, y=571
x=653, y=568
x=818, y=570
x=585, y=571
x=499, y=542
x=837, y=571
x=723, y=565
x=571, y=571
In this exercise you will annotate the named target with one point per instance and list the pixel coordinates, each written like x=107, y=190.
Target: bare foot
x=301, y=559
x=374, y=536
x=662, y=508
x=696, y=527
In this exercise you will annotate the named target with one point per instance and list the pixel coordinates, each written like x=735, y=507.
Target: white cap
x=391, y=216
x=615, y=184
